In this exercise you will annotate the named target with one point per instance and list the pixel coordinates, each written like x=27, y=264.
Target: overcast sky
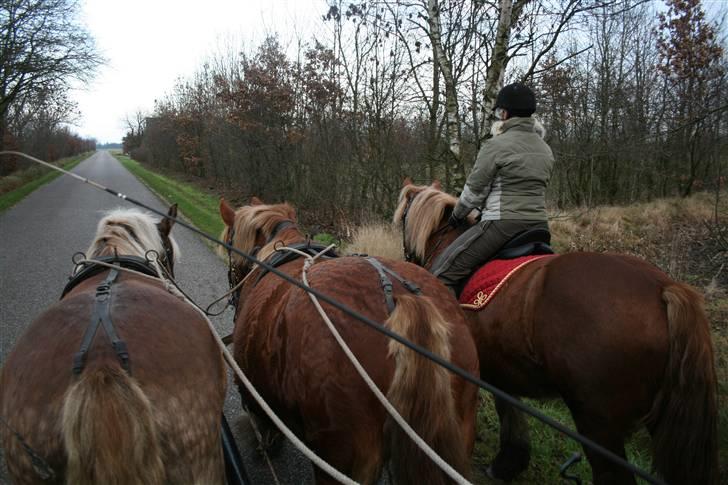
x=151, y=43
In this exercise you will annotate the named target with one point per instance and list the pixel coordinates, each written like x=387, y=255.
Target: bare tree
x=43, y=48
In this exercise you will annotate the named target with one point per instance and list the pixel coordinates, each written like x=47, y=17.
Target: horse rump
x=109, y=432
x=683, y=420
x=421, y=392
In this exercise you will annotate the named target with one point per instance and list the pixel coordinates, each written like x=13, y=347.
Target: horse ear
x=255, y=201
x=165, y=225
x=227, y=213
x=407, y=181
x=436, y=185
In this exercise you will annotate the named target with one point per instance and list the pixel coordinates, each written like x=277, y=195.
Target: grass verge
x=35, y=177
x=201, y=209
x=550, y=449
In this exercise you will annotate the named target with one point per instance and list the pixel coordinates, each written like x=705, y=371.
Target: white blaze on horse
x=120, y=381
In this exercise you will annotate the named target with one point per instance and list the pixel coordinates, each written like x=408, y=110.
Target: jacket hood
x=500, y=127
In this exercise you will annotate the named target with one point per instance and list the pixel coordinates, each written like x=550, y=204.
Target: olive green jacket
x=510, y=175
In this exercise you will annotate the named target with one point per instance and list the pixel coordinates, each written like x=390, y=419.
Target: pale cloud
x=149, y=44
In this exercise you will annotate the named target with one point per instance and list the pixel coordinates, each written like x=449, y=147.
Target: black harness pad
x=280, y=258
x=90, y=269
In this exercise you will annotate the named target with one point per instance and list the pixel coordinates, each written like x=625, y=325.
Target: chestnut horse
x=293, y=360
x=619, y=341
x=151, y=419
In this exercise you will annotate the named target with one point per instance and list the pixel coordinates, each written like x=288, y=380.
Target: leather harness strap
x=386, y=283
x=102, y=315
x=87, y=270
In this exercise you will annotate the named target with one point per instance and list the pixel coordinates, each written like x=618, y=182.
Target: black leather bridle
x=236, y=273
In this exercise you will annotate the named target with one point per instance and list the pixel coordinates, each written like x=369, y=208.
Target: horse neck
x=437, y=243
x=286, y=237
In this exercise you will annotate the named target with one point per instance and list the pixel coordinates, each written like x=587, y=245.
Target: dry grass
x=377, y=239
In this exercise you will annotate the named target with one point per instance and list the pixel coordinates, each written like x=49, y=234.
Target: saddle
x=526, y=243
x=521, y=250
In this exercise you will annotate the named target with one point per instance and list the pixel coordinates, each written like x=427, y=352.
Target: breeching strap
x=102, y=315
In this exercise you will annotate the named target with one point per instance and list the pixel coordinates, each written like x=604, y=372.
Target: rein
x=411, y=433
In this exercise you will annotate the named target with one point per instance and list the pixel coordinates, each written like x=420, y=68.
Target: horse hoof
x=490, y=473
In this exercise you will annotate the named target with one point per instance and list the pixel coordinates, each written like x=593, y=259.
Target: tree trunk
x=509, y=14
x=451, y=101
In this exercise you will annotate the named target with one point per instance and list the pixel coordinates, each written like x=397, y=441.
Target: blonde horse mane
x=249, y=220
x=424, y=216
x=129, y=232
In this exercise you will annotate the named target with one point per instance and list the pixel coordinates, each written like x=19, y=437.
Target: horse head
x=253, y=229
x=130, y=232
x=423, y=211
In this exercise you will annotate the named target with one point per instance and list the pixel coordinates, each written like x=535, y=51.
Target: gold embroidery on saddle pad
x=482, y=298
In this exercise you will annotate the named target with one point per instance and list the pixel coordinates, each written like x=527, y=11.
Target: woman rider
x=507, y=183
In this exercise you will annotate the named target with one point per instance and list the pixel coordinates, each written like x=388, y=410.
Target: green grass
x=36, y=177
x=200, y=208
x=549, y=448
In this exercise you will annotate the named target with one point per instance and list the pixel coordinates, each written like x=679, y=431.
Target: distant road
x=39, y=236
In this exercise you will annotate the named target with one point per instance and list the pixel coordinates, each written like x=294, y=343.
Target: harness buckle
x=122, y=352
x=79, y=361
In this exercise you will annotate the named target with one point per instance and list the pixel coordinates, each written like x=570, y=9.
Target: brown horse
x=151, y=419
x=289, y=354
x=618, y=340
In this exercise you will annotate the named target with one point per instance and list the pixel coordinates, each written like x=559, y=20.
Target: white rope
x=444, y=466
x=334, y=473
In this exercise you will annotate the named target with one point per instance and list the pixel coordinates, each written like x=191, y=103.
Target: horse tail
x=683, y=420
x=421, y=392
x=109, y=432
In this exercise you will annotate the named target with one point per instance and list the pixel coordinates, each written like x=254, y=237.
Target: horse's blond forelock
x=112, y=236
x=424, y=215
x=250, y=219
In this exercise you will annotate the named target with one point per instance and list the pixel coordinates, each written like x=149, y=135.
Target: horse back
x=293, y=359
x=168, y=344
x=579, y=318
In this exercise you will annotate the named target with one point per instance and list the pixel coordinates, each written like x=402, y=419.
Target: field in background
x=15, y=186
x=678, y=235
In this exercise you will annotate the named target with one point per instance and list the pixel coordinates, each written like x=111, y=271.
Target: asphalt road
x=39, y=236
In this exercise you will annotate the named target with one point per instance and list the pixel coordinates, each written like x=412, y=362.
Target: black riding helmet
x=517, y=99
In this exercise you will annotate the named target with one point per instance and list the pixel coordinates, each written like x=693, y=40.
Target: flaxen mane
x=253, y=221
x=128, y=232
x=424, y=215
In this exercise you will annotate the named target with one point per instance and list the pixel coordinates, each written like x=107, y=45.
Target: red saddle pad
x=485, y=283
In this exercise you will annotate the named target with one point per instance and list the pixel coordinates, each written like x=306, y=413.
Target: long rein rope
x=584, y=441
x=432, y=454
